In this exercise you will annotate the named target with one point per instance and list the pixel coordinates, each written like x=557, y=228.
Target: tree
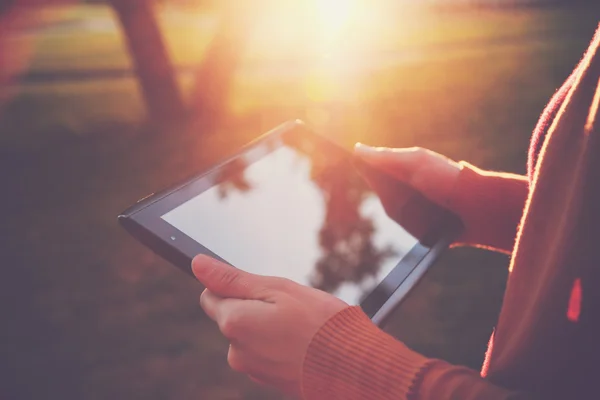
x=214, y=77
x=349, y=253
x=149, y=55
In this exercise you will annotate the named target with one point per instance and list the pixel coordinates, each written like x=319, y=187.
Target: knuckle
x=228, y=277
x=283, y=284
x=227, y=329
x=263, y=292
x=230, y=325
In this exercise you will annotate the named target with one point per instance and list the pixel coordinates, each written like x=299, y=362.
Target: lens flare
x=334, y=17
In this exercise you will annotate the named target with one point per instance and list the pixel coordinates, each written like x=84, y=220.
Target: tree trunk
x=214, y=77
x=155, y=72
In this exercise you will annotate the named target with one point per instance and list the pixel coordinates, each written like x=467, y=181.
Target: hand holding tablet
x=269, y=321
x=293, y=204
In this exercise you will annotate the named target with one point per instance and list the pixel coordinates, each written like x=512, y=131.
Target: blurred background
x=103, y=102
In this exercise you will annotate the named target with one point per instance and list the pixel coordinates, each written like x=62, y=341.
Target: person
x=310, y=344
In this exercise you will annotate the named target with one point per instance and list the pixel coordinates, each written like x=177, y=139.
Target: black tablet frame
x=144, y=221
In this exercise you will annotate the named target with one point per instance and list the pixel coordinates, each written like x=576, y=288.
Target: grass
x=94, y=315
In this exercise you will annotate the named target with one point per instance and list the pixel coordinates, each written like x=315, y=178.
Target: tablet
x=294, y=204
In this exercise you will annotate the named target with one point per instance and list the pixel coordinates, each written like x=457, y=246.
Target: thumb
x=400, y=163
x=428, y=172
x=224, y=280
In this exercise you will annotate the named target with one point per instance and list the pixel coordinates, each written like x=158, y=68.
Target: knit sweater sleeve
x=491, y=205
x=350, y=358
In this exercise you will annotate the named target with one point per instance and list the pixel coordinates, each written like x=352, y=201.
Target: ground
x=91, y=314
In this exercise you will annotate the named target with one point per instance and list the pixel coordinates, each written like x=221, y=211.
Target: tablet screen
x=300, y=212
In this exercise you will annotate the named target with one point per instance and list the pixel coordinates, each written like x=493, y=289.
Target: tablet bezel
x=144, y=221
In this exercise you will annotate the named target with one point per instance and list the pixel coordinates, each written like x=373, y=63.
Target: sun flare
x=322, y=45
x=333, y=18
x=312, y=27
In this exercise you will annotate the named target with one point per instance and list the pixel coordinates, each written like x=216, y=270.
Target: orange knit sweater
x=544, y=344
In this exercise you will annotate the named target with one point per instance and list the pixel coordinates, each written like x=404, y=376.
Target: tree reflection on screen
x=348, y=252
x=232, y=178
x=346, y=237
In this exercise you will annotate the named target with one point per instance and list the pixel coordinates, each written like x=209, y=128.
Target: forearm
x=350, y=358
x=491, y=205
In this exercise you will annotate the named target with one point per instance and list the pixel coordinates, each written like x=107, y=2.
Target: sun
x=305, y=28
x=334, y=17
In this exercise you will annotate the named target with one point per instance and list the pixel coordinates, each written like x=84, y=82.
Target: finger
x=258, y=370
x=210, y=303
x=235, y=360
x=400, y=163
x=241, y=359
x=393, y=193
x=258, y=381
x=237, y=319
x=226, y=281
x=222, y=311
x=432, y=174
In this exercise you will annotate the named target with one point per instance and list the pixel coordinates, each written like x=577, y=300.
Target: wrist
x=351, y=358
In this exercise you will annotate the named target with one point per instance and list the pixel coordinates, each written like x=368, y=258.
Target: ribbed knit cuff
x=351, y=358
